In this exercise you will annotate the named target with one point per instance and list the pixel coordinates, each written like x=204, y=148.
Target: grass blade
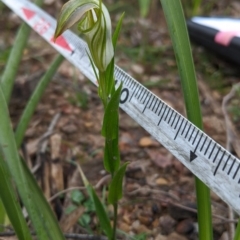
x=181, y=44
x=48, y=218
x=25, y=185
x=144, y=7
x=11, y=205
x=101, y=214
x=11, y=68
x=34, y=100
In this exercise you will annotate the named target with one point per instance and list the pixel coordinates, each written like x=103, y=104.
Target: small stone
x=69, y=129
x=143, y=229
x=146, y=220
x=138, y=69
x=179, y=213
x=161, y=181
x=126, y=219
x=155, y=223
x=88, y=124
x=175, y=236
x=139, y=228
x=160, y=237
x=146, y=142
x=124, y=227
x=135, y=225
x=184, y=227
x=167, y=224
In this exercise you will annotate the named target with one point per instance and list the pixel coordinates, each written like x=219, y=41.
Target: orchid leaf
x=110, y=120
x=115, y=189
x=101, y=214
x=111, y=155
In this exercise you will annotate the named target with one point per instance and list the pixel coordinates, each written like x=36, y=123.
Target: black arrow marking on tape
x=193, y=155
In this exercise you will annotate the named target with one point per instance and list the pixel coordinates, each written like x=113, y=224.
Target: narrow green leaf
x=109, y=73
x=10, y=71
x=35, y=98
x=111, y=155
x=11, y=204
x=237, y=233
x=196, y=7
x=115, y=189
x=110, y=132
x=181, y=44
x=110, y=120
x=109, y=76
x=11, y=68
x=84, y=178
x=101, y=214
x=117, y=31
x=10, y=155
x=27, y=187
x=3, y=214
x=144, y=7
x=45, y=213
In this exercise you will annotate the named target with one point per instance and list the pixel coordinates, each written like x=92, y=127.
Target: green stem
x=115, y=206
x=237, y=233
x=102, y=88
x=179, y=35
x=34, y=100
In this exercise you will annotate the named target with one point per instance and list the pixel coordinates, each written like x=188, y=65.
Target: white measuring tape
x=210, y=162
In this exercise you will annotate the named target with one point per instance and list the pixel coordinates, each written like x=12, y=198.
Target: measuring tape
x=210, y=162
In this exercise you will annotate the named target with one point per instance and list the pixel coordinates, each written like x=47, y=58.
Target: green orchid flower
x=94, y=21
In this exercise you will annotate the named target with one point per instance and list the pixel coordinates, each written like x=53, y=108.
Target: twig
x=192, y=209
x=232, y=228
x=49, y=131
x=195, y=211
x=230, y=135
x=97, y=186
x=149, y=190
x=65, y=191
x=42, y=145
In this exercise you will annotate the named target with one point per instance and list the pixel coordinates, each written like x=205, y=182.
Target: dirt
x=159, y=192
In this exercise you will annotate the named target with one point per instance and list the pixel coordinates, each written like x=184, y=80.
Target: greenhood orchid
x=94, y=21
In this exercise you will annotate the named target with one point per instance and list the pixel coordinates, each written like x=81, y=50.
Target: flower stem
x=102, y=88
x=115, y=206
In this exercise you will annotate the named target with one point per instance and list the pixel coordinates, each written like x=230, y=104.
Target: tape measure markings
x=195, y=133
